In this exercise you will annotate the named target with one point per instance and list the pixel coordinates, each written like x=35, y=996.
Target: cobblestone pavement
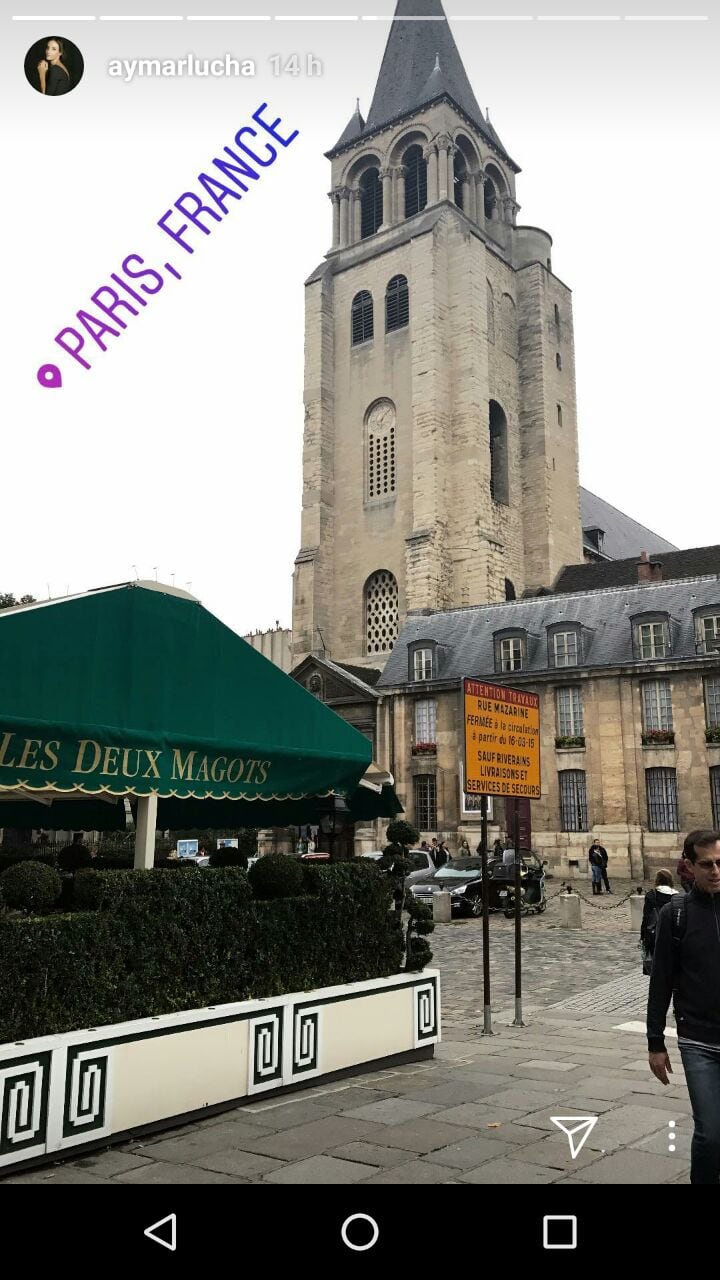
x=480, y=1111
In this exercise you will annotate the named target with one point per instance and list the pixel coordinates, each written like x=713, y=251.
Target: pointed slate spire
x=353, y=129
x=419, y=54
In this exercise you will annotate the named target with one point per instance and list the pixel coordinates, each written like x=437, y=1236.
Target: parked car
x=461, y=878
x=420, y=861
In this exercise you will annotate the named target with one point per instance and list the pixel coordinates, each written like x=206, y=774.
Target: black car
x=461, y=878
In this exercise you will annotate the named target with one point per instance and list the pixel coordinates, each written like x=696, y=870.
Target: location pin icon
x=48, y=375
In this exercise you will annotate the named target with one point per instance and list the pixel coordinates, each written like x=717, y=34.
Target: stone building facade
x=629, y=686
x=440, y=460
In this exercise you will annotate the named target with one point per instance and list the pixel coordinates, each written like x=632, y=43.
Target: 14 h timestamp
x=295, y=64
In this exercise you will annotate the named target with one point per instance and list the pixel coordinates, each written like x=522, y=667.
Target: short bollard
x=637, y=905
x=570, y=914
x=441, y=908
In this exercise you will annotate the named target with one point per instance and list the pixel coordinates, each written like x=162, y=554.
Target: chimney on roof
x=649, y=570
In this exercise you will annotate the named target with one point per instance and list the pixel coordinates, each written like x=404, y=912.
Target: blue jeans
x=702, y=1072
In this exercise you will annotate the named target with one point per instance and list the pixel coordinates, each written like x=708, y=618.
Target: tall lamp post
x=333, y=822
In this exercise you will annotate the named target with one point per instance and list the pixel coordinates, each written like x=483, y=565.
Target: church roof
x=421, y=63
x=623, y=537
x=696, y=562
x=352, y=131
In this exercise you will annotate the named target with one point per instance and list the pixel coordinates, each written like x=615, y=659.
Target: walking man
x=686, y=965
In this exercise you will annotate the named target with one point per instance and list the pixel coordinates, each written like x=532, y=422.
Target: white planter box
x=58, y=1093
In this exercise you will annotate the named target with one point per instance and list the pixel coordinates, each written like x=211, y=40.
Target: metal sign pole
x=487, y=1011
x=518, y=1021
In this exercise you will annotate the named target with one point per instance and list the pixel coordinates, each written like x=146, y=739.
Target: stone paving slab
x=633, y=1166
x=239, y=1164
x=314, y=1138
x=162, y=1173
x=319, y=1170
x=416, y=1171
x=392, y=1110
x=508, y=1170
x=373, y=1154
x=422, y=1135
x=470, y=1153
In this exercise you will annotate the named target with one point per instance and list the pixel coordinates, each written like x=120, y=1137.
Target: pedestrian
x=498, y=848
x=684, y=871
x=434, y=851
x=424, y=845
x=686, y=966
x=464, y=850
x=508, y=855
x=596, y=864
x=655, y=899
x=603, y=864
x=442, y=854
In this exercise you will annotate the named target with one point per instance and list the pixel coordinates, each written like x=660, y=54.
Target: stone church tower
x=440, y=450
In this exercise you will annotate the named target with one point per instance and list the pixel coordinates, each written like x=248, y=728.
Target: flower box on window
x=567, y=741
x=713, y=735
x=424, y=749
x=658, y=738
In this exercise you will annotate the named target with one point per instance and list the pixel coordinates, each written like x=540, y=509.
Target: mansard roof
x=624, y=537
x=468, y=634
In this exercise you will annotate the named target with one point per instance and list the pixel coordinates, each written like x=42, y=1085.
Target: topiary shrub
x=420, y=922
x=227, y=856
x=403, y=833
x=10, y=857
x=73, y=857
x=30, y=886
x=277, y=876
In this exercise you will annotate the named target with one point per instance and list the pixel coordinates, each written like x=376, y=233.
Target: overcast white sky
x=181, y=447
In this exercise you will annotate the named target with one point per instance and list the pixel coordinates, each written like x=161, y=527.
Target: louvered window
x=397, y=304
x=371, y=203
x=362, y=317
x=415, y=181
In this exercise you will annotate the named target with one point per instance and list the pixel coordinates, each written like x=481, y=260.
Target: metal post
x=487, y=1011
x=518, y=1020
x=145, y=833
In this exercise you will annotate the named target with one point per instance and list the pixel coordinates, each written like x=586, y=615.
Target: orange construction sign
x=502, y=740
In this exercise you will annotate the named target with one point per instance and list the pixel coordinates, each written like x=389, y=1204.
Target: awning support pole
x=145, y=835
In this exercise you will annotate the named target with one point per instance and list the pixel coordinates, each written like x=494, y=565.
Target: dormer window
x=510, y=652
x=422, y=663
x=707, y=630
x=651, y=638
x=564, y=644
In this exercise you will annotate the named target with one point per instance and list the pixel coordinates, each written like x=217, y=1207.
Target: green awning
x=138, y=689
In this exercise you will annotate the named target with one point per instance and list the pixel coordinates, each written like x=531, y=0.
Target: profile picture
x=54, y=66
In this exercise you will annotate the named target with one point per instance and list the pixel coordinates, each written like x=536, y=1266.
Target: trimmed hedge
x=277, y=876
x=11, y=857
x=30, y=886
x=228, y=856
x=157, y=942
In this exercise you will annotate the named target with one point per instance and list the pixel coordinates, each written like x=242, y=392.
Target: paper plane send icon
x=577, y=1130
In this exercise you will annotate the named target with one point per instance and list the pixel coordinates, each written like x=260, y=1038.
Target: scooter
x=533, y=899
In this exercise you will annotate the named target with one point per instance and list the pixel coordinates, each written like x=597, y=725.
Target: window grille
x=662, y=799
x=381, y=612
x=426, y=802
x=573, y=800
x=715, y=794
x=570, y=712
x=397, y=304
x=362, y=317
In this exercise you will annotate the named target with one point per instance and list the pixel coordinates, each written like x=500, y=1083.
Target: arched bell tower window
x=362, y=317
x=381, y=612
x=371, y=202
x=397, y=304
x=499, y=482
x=509, y=590
x=460, y=175
x=490, y=195
x=415, y=180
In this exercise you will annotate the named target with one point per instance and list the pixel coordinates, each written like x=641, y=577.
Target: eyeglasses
x=708, y=866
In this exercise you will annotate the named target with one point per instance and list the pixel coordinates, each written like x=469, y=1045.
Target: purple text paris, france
x=194, y=213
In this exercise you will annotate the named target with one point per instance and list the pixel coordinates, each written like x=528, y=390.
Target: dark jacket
x=655, y=900
x=689, y=971
x=598, y=857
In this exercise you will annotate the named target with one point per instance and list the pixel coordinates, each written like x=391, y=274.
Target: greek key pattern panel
x=307, y=1024
x=87, y=1094
x=425, y=1005
x=24, y=1090
x=265, y=1061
